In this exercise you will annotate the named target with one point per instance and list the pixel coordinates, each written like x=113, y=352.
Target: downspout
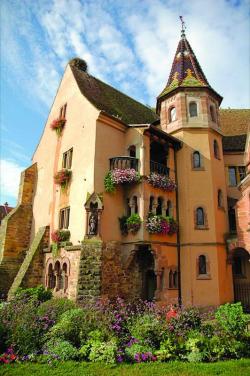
x=178, y=231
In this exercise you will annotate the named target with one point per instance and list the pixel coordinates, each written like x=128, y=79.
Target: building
x=5, y=209
x=124, y=201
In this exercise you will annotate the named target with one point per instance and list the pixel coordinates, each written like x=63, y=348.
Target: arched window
x=220, y=198
x=212, y=113
x=58, y=276
x=193, y=109
x=169, y=210
x=128, y=208
x=51, y=277
x=216, y=150
x=196, y=159
x=151, y=203
x=159, y=206
x=134, y=205
x=202, y=265
x=172, y=114
x=132, y=151
x=200, y=219
x=65, y=277
x=173, y=279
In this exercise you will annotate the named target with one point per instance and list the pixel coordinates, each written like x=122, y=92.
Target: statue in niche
x=93, y=221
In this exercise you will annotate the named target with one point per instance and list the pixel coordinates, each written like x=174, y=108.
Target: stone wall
x=15, y=231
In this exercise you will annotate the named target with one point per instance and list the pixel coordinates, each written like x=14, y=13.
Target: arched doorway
x=241, y=277
x=145, y=260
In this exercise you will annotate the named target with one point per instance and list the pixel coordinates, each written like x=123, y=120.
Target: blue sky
x=128, y=44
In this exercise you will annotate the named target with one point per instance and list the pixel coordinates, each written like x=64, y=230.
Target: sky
x=128, y=44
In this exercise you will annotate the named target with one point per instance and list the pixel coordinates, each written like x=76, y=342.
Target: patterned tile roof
x=109, y=99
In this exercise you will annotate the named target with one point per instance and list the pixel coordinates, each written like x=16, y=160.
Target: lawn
x=232, y=367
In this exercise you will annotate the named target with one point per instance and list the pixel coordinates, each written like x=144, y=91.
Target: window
x=128, y=208
x=232, y=220
x=169, y=211
x=67, y=159
x=196, y=160
x=62, y=114
x=132, y=151
x=216, y=150
x=134, y=205
x=172, y=114
x=151, y=204
x=159, y=206
x=232, y=176
x=212, y=113
x=220, y=198
x=202, y=265
x=193, y=109
x=64, y=218
x=242, y=172
x=173, y=279
x=237, y=266
x=200, y=220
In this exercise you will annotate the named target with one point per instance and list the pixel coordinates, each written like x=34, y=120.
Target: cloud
x=10, y=177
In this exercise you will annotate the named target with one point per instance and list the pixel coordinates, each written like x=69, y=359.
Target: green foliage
x=169, y=349
x=39, y=293
x=130, y=224
x=231, y=319
x=109, y=184
x=68, y=327
x=98, y=349
x=147, y=329
x=55, y=307
x=188, y=319
x=63, y=349
x=137, y=348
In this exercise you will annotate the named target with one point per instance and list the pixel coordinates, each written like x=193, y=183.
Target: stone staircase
x=29, y=258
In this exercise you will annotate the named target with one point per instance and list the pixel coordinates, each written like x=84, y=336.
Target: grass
x=231, y=367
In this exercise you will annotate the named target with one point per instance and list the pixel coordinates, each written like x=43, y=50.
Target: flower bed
x=119, y=176
x=55, y=330
x=161, y=181
x=58, y=125
x=159, y=224
x=130, y=224
x=62, y=177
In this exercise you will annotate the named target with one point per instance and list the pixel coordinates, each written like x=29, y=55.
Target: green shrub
x=68, y=327
x=39, y=293
x=187, y=320
x=137, y=348
x=147, y=329
x=62, y=349
x=97, y=348
x=231, y=319
x=169, y=350
x=55, y=307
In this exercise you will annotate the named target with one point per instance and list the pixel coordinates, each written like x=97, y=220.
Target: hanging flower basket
x=62, y=178
x=161, y=181
x=58, y=125
x=130, y=224
x=159, y=224
x=119, y=176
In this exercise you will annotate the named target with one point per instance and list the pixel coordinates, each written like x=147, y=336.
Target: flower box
x=159, y=224
x=161, y=181
x=120, y=176
x=62, y=177
x=130, y=224
x=58, y=125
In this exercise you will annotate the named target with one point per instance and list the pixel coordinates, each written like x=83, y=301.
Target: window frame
x=235, y=175
x=67, y=159
x=171, y=120
x=190, y=111
x=64, y=216
x=62, y=112
x=207, y=275
x=203, y=226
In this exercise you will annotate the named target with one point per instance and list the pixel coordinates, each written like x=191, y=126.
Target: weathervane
x=183, y=27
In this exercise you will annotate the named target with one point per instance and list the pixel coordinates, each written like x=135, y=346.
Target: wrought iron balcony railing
x=124, y=162
x=159, y=168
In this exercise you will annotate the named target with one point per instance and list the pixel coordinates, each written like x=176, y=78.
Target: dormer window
x=172, y=114
x=193, y=109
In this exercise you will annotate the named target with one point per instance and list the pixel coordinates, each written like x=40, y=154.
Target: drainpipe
x=178, y=232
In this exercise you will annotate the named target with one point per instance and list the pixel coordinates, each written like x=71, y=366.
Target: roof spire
x=183, y=27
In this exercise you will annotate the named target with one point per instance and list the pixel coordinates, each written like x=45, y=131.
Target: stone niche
x=94, y=208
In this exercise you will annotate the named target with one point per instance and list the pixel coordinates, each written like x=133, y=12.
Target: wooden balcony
x=123, y=162
x=159, y=168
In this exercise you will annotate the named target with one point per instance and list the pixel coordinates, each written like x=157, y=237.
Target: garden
x=39, y=333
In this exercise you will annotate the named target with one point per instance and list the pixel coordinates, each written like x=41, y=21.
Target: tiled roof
x=234, y=143
x=234, y=121
x=110, y=100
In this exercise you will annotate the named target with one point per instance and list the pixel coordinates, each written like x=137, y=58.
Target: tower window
x=212, y=113
x=169, y=210
x=151, y=203
x=216, y=150
x=200, y=219
x=193, y=109
x=172, y=114
x=196, y=160
x=202, y=265
x=134, y=204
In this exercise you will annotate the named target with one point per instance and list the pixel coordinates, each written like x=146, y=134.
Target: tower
x=188, y=108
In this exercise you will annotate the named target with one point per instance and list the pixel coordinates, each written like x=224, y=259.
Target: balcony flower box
x=130, y=224
x=62, y=178
x=59, y=239
x=159, y=224
x=120, y=176
x=58, y=125
x=161, y=181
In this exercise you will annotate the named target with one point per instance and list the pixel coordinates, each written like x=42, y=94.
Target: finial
x=183, y=27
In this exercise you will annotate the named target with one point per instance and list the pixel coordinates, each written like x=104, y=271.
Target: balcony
x=159, y=168
x=123, y=163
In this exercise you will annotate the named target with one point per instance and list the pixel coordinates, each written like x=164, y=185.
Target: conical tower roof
x=186, y=71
